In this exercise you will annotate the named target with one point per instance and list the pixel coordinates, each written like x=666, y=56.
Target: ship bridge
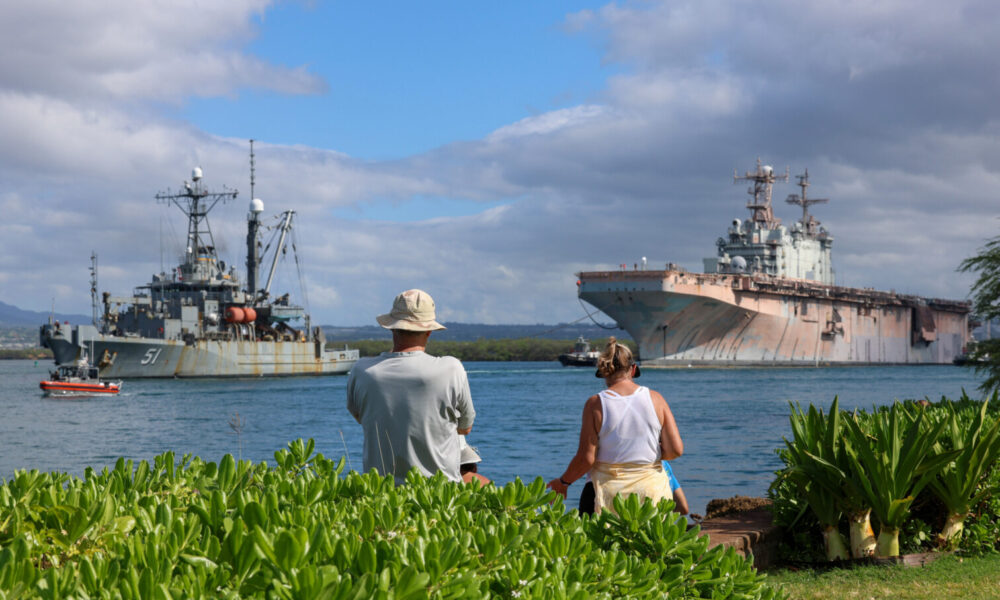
x=761, y=244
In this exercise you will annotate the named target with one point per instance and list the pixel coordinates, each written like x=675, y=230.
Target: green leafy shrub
x=982, y=528
x=302, y=529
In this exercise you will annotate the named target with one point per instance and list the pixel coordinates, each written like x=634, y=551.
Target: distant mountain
x=465, y=332
x=12, y=316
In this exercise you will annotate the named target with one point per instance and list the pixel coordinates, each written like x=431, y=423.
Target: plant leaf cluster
x=303, y=529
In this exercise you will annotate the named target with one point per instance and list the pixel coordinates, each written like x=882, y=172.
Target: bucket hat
x=469, y=454
x=413, y=310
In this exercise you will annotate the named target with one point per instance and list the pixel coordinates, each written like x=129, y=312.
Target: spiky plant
x=977, y=442
x=891, y=460
x=815, y=437
x=830, y=469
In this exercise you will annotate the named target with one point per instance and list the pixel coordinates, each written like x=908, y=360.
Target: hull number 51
x=151, y=355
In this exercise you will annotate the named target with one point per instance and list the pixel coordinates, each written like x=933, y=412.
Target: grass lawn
x=949, y=577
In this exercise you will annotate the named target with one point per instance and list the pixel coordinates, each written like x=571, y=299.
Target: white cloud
x=126, y=50
x=549, y=122
x=699, y=94
x=890, y=105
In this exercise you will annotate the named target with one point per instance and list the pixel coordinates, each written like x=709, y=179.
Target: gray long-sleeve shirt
x=411, y=406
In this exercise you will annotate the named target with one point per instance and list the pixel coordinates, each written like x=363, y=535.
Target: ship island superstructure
x=769, y=298
x=199, y=320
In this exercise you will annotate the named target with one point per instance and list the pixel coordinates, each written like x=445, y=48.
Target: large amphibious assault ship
x=199, y=320
x=769, y=298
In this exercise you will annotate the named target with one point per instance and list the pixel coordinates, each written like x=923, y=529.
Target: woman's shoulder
x=656, y=398
x=594, y=404
x=654, y=394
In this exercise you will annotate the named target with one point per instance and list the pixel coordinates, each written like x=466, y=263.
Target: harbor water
x=527, y=426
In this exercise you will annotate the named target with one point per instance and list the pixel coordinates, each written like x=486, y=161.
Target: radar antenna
x=196, y=202
x=763, y=178
x=808, y=221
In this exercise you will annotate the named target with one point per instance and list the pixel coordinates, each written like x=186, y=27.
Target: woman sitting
x=627, y=430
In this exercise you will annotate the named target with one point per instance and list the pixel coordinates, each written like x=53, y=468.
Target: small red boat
x=81, y=379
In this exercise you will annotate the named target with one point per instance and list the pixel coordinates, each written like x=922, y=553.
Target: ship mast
x=253, y=226
x=763, y=179
x=93, y=288
x=251, y=170
x=196, y=202
x=809, y=222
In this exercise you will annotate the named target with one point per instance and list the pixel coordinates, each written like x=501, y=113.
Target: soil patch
x=737, y=504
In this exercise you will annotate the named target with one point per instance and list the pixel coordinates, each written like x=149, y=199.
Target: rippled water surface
x=528, y=419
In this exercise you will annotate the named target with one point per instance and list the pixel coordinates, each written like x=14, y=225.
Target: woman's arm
x=671, y=445
x=586, y=452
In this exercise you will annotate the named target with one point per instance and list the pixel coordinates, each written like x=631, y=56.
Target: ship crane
x=763, y=179
x=809, y=222
x=284, y=228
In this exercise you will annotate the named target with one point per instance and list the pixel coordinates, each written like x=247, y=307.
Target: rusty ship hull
x=143, y=357
x=681, y=319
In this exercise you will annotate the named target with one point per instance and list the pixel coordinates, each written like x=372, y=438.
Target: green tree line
x=25, y=354
x=521, y=349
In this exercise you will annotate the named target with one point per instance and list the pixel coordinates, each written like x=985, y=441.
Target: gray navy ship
x=199, y=320
x=769, y=298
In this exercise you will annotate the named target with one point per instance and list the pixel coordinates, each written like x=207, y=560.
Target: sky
x=487, y=152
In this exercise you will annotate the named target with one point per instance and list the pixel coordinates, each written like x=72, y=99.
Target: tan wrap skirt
x=646, y=480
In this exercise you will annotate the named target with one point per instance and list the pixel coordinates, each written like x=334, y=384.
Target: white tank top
x=630, y=431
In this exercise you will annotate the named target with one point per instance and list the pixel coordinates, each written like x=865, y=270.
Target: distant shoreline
x=501, y=350
x=26, y=354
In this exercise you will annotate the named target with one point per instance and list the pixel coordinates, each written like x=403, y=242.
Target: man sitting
x=411, y=405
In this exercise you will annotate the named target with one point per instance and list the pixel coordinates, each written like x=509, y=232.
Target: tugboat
x=199, y=319
x=79, y=379
x=581, y=356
